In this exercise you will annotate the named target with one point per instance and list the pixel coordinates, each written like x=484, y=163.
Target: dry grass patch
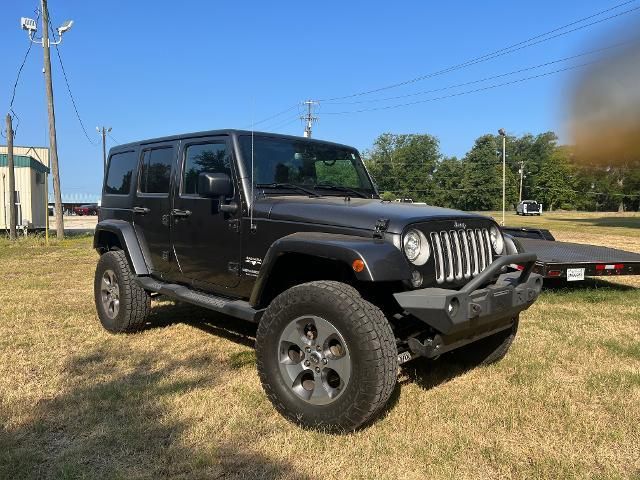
x=182, y=399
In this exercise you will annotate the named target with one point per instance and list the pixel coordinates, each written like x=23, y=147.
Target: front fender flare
x=128, y=240
x=383, y=262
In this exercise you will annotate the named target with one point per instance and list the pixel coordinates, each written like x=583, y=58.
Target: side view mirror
x=212, y=185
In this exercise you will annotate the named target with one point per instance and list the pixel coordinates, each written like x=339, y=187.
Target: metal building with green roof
x=31, y=173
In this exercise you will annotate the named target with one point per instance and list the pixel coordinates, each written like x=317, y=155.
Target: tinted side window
x=207, y=157
x=155, y=171
x=121, y=167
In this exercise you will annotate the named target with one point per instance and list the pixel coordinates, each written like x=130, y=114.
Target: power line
x=287, y=122
x=485, y=79
x=15, y=84
x=113, y=139
x=532, y=41
x=467, y=92
x=281, y=122
x=253, y=124
x=66, y=79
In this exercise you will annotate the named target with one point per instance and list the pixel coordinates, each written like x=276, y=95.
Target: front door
x=152, y=206
x=206, y=240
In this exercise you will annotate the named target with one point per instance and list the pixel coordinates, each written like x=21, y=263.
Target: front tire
x=488, y=350
x=122, y=304
x=327, y=358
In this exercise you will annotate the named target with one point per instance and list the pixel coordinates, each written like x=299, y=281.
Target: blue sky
x=149, y=69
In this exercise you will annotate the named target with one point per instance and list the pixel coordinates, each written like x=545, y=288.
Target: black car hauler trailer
x=573, y=261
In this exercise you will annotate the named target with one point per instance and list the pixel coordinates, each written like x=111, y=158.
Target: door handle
x=180, y=213
x=141, y=210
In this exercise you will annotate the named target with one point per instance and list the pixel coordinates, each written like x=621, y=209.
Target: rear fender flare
x=126, y=235
x=383, y=262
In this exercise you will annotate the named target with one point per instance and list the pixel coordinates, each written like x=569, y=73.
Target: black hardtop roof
x=227, y=131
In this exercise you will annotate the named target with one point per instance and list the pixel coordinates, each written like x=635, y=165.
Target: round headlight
x=496, y=239
x=416, y=247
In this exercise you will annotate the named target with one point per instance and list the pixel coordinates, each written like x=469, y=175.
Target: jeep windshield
x=285, y=166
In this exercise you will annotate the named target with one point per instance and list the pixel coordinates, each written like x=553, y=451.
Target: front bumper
x=482, y=306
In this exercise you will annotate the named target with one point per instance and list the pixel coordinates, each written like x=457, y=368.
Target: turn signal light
x=357, y=265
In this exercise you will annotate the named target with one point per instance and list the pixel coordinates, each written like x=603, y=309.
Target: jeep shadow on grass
x=291, y=234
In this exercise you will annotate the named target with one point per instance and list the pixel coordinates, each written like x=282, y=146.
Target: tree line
x=412, y=166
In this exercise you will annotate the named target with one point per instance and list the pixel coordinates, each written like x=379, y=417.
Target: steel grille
x=460, y=254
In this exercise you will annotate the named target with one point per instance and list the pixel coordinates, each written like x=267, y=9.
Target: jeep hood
x=360, y=213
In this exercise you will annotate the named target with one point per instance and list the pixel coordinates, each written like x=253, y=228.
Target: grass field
x=182, y=398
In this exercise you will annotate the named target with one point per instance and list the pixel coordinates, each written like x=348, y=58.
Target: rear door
x=152, y=204
x=206, y=240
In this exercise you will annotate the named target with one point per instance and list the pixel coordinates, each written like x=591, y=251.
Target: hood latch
x=381, y=226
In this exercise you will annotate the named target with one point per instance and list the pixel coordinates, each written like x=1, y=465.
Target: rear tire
x=122, y=304
x=313, y=387
x=488, y=350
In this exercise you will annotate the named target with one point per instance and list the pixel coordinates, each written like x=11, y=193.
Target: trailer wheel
x=488, y=350
x=327, y=359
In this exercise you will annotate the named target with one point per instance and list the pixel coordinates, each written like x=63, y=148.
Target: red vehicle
x=91, y=209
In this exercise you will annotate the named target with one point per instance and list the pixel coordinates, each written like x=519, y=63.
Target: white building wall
x=32, y=210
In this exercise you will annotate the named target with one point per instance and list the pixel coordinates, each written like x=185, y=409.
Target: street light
x=65, y=27
x=30, y=25
x=503, y=134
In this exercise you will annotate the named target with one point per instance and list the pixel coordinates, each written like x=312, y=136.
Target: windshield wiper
x=291, y=186
x=340, y=188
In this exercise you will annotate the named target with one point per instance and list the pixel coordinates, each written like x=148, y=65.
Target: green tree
x=404, y=164
x=481, y=186
x=555, y=182
x=447, y=180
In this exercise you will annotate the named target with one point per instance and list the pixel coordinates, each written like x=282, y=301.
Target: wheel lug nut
x=318, y=348
x=308, y=349
x=324, y=361
x=307, y=363
x=317, y=369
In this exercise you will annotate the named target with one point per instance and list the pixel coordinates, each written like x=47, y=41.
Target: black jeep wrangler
x=290, y=233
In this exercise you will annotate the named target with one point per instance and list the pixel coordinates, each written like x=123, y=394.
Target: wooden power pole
x=53, y=143
x=103, y=131
x=12, y=180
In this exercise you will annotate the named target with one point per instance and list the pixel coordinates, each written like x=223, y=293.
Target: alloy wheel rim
x=314, y=359
x=110, y=293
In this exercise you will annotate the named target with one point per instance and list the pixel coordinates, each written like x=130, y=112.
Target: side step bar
x=235, y=308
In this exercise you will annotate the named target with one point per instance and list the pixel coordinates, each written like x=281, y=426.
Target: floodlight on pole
x=65, y=27
x=28, y=24
x=31, y=27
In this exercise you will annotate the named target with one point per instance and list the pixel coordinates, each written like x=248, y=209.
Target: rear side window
x=119, y=174
x=155, y=170
x=203, y=158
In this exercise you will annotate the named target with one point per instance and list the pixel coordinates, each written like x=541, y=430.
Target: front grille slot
x=460, y=254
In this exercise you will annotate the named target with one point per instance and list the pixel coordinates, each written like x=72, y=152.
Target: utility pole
x=12, y=180
x=31, y=27
x=309, y=118
x=53, y=142
x=521, y=177
x=103, y=131
x=503, y=134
